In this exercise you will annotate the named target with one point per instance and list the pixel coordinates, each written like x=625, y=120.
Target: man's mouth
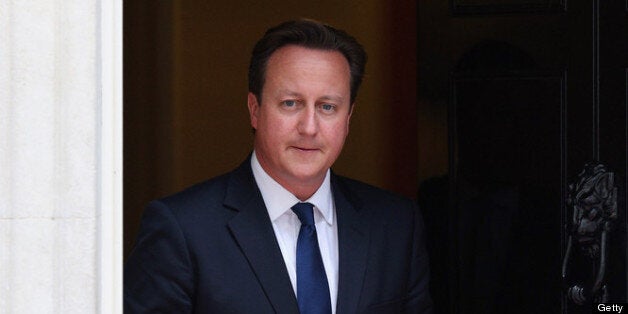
x=305, y=149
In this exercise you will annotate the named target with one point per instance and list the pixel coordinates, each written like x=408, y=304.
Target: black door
x=531, y=216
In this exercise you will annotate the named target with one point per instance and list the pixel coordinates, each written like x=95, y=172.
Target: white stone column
x=60, y=156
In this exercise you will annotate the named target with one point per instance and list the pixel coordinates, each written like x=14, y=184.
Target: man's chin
x=305, y=156
x=308, y=176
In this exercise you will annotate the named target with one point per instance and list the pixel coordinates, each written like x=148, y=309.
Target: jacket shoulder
x=205, y=194
x=369, y=196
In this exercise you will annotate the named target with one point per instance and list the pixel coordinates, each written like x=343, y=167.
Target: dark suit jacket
x=212, y=249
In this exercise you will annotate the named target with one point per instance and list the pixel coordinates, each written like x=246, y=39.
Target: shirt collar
x=278, y=200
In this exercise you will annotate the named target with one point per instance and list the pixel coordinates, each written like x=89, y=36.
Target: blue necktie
x=312, y=286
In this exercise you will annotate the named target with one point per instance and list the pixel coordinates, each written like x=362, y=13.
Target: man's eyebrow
x=286, y=92
x=330, y=97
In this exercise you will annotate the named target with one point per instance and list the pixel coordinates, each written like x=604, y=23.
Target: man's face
x=303, y=117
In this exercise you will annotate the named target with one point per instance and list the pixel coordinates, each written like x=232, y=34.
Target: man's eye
x=289, y=103
x=327, y=107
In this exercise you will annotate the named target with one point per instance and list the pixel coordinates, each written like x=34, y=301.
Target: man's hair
x=309, y=34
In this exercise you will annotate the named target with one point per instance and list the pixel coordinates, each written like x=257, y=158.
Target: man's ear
x=349, y=116
x=253, y=109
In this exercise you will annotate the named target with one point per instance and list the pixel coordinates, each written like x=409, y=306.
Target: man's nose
x=308, y=121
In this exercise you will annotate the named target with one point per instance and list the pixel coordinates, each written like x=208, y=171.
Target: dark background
x=482, y=110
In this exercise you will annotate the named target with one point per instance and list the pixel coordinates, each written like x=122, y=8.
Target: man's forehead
x=293, y=49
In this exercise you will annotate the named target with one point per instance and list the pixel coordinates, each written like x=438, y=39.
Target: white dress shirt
x=286, y=224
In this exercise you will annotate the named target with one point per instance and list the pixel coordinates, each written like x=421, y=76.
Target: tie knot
x=305, y=211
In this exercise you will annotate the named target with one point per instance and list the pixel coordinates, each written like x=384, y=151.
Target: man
x=281, y=233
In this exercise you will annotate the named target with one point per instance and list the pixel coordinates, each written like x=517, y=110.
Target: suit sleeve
x=419, y=300
x=158, y=273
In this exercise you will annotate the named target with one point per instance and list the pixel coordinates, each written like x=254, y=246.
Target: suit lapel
x=253, y=231
x=352, y=246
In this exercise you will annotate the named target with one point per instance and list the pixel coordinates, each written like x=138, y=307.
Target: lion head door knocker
x=592, y=204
